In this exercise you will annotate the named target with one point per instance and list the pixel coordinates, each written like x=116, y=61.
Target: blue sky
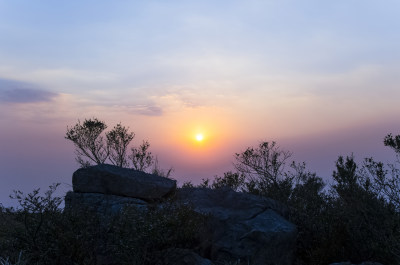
x=319, y=77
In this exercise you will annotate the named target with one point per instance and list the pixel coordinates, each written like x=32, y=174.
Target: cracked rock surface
x=243, y=227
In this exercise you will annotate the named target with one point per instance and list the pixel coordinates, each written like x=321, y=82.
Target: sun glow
x=199, y=137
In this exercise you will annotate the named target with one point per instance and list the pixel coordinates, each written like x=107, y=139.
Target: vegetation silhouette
x=356, y=218
x=91, y=147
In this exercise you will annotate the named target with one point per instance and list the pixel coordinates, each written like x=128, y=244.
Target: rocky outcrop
x=243, y=227
x=109, y=179
x=102, y=203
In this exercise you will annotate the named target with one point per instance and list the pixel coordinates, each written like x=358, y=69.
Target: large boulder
x=243, y=227
x=104, y=204
x=109, y=179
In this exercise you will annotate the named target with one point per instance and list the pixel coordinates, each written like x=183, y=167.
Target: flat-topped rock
x=109, y=179
x=104, y=204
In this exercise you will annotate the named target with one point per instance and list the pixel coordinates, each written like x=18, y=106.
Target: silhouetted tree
x=266, y=161
x=363, y=222
x=91, y=147
x=393, y=142
x=386, y=178
x=118, y=140
x=345, y=175
x=141, y=157
x=265, y=171
x=88, y=141
x=233, y=180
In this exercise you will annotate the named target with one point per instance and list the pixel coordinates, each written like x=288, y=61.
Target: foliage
x=265, y=172
x=232, y=180
x=92, y=148
x=393, y=142
x=118, y=140
x=29, y=224
x=261, y=170
x=187, y=184
x=89, y=144
x=141, y=157
x=363, y=224
x=345, y=175
x=235, y=181
x=385, y=180
x=264, y=164
x=170, y=226
x=357, y=218
x=46, y=235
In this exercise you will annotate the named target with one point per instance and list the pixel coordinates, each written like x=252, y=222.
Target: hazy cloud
x=144, y=109
x=150, y=111
x=24, y=95
x=12, y=91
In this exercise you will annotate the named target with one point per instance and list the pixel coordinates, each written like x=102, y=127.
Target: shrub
x=118, y=140
x=265, y=171
x=89, y=144
x=356, y=219
x=92, y=148
x=47, y=235
x=141, y=157
x=363, y=224
x=169, y=226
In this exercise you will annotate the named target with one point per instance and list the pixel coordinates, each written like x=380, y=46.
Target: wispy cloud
x=150, y=110
x=139, y=109
x=12, y=91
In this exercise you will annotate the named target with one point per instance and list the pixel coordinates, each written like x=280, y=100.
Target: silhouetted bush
x=353, y=223
x=93, y=146
x=356, y=219
x=47, y=235
x=169, y=226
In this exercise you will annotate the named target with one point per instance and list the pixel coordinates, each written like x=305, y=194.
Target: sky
x=318, y=77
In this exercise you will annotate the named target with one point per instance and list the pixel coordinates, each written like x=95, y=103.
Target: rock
x=109, y=179
x=243, y=227
x=177, y=256
x=101, y=203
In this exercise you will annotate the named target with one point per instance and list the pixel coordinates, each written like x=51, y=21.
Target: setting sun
x=199, y=137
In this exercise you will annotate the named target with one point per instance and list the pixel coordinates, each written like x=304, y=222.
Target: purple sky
x=320, y=78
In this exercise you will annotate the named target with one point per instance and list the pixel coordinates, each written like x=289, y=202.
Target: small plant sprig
x=19, y=261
